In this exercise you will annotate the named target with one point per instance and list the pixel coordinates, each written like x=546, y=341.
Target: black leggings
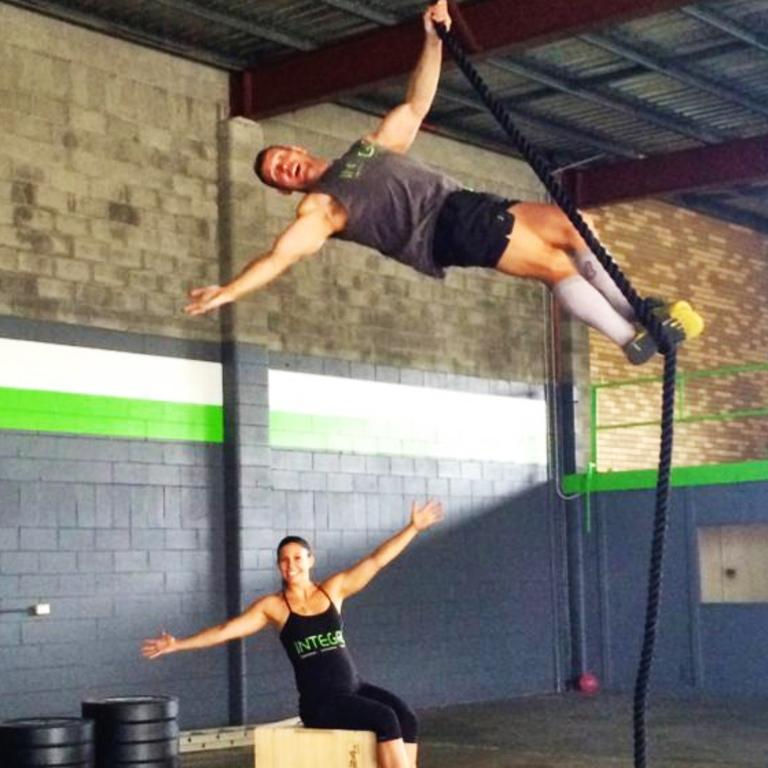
x=368, y=708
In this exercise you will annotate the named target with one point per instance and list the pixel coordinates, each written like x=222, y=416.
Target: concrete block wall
x=420, y=614
x=707, y=648
x=126, y=537
x=417, y=628
x=121, y=185
x=108, y=178
x=722, y=269
x=122, y=538
x=113, y=175
x=350, y=312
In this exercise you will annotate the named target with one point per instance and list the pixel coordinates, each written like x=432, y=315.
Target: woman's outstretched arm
x=352, y=580
x=252, y=620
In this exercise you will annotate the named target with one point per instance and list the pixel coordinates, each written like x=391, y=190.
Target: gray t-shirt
x=392, y=202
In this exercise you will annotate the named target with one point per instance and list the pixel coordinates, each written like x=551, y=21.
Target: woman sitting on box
x=308, y=617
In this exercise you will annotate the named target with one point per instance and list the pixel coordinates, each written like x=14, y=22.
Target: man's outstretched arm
x=303, y=237
x=399, y=127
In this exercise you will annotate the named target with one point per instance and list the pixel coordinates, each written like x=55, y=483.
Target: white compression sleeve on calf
x=594, y=272
x=587, y=304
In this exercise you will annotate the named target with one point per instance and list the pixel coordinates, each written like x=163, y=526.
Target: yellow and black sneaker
x=682, y=321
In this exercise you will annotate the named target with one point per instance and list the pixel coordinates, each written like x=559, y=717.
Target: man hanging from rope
x=376, y=196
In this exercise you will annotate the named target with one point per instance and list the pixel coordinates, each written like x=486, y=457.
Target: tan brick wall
x=108, y=178
x=723, y=270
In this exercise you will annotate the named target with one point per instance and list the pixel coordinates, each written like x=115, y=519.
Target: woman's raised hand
x=426, y=515
x=158, y=646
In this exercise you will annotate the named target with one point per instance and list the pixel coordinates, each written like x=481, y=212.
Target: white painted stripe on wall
x=488, y=426
x=90, y=371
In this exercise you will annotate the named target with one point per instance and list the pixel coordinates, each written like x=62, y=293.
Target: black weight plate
x=45, y=731
x=131, y=709
x=172, y=762
x=50, y=756
x=140, y=751
x=129, y=733
x=16, y=762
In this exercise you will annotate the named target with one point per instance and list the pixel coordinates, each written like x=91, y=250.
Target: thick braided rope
x=642, y=310
x=542, y=170
x=658, y=541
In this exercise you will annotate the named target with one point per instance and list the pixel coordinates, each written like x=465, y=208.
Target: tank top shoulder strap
x=332, y=604
x=291, y=611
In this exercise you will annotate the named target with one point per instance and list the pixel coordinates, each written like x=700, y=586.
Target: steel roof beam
x=735, y=162
x=567, y=131
x=386, y=52
x=461, y=133
x=626, y=71
x=133, y=34
x=634, y=53
x=727, y=25
x=612, y=101
x=240, y=24
x=363, y=11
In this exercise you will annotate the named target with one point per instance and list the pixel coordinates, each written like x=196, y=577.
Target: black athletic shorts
x=472, y=229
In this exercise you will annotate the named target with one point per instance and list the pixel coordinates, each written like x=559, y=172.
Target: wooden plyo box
x=296, y=747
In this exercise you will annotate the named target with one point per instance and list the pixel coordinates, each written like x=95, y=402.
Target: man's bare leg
x=544, y=246
x=540, y=248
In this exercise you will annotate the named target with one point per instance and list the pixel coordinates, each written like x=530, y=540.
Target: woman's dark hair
x=293, y=540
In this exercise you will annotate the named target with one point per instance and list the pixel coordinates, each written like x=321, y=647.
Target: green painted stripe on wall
x=707, y=474
x=43, y=411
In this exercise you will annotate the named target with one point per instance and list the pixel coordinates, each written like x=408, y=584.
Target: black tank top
x=316, y=648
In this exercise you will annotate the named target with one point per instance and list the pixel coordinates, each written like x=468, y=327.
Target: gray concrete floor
x=574, y=731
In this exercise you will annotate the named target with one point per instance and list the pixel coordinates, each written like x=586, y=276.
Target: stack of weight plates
x=38, y=742
x=135, y=731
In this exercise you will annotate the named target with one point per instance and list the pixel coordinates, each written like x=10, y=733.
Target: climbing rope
x=666, y=345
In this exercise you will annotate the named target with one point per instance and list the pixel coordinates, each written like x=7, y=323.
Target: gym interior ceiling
x=626, y=98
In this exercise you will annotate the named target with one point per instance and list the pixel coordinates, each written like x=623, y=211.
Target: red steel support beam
x=386, y=52
x=718, y=165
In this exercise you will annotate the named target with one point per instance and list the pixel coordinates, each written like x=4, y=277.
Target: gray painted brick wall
x=126, y=537
x=102, y=541
x=419, y=627
x=712, y=648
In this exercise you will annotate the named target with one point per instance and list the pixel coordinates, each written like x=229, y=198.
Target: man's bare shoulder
x=329, y=206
